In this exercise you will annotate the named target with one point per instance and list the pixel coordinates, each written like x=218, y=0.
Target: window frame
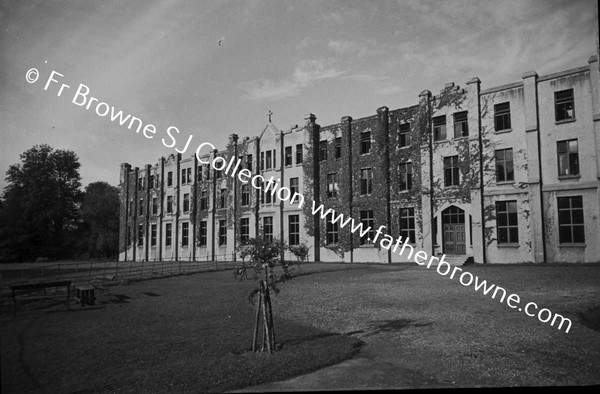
x=185, y=234
x=366, y=219
x=406, y=169
x=332, y=231
x=366, y=139
x=168, y=234
x=571, y=158
x=461, y=119
x=244, y=230
x=299, y=153
x=451, y=171
x=222, y=232
x=288, y=156
x=366, y=183
x=323, y=150
x=507, y=209
x=406, y=215
x=294, y=230
x=504, y=163
x=439, y=128
x=560, y=102
x=404, y=135
x=268, y=228
x=332, y=185
x=203, y=234
x=502, y=118
x=572, y=224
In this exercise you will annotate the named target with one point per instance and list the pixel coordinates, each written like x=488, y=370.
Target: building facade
x=507, y=174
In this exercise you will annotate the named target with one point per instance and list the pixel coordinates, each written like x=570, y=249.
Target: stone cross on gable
x=269, y=115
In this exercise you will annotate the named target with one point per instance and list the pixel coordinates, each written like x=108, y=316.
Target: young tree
x=266, y=255
x=41, y=204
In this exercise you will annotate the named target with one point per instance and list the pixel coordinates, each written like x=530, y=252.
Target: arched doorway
x=453, y=230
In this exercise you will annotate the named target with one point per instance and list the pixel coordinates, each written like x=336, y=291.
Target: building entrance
x=453, y=224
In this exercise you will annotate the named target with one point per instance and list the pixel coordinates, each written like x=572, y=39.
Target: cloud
x=380, y=85
x=305, y=74
x=333, y=17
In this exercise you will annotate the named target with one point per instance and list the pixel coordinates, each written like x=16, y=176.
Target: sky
x=213, y=68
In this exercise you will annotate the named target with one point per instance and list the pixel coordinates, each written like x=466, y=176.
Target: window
x=249, y=162
x=141, y=207
x=154, y=205
x=169, y=204
x=322, y=150
x=222, y=198
x=267, y=196
x=366, y=218
x=407, y=224
x=186, y=175
x=268, y=160
x=439, y=128
x=268, y=228
x=502, y=116
x=170, y=178
x=570, y=220
x=217, y=174
x=507, y=222
x=564, y=105
x=186, y=202
x=288, y=156
x=451, y=171
x=461, y=126
x=504, y=165
x=332, y=231
x=199, y=173
x=294, y=186
x=244, y=230
x=203, y=201
x=168, y=234
x=207, y=172
x=568, y=157
x=130, y=208
x=262, y=161
x=140, y=235
x=404, y=135
x=366, y=181
x=294, y=229
x=222, y=232
x=299, y=155
x=185, y=233
x=129, y=236
x=245, y=195
x=332, y=185
x=274, y=158
x=152, y=181
x=405, y=176
x=203, y=232
x=338, y=147
x=365, y=142
x=140, y=183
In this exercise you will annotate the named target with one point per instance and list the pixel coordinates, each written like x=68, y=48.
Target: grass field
x=192, y=333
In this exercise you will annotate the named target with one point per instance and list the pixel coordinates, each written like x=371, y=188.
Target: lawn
x=192, y=333
x=187, y=333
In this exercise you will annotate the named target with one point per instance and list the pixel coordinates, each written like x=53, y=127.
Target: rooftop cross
x=269, y=115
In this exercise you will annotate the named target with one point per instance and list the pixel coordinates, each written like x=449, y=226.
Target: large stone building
x=503, y=175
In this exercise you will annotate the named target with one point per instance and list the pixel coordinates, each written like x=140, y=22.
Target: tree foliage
x=40, y=211
x=100, y=214
x=44, y=213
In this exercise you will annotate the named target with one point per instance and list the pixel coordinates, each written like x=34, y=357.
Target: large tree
x=40, y=211
x=100, y=212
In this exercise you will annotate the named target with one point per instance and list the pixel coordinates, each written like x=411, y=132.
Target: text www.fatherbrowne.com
x=82, y=98
x=443, y=268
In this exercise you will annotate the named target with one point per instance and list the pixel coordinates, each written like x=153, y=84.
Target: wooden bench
x=37, y=291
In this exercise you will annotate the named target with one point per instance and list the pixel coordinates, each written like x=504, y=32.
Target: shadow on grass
x=591, y=318
x=383, y=326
